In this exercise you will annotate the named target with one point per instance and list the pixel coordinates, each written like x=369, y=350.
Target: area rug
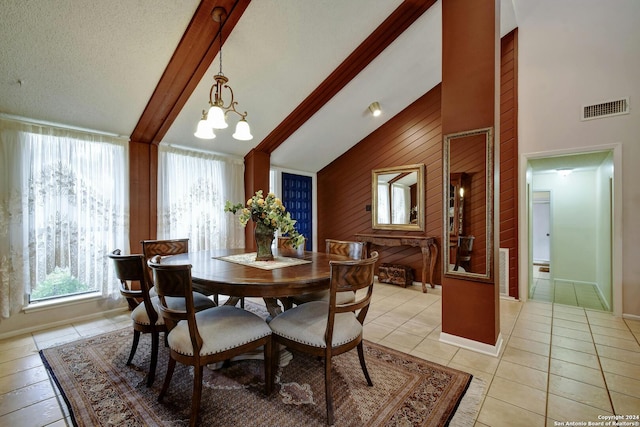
x=100, y=390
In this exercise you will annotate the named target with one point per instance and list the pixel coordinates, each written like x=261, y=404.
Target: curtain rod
x=200, y=150
x=60, y=125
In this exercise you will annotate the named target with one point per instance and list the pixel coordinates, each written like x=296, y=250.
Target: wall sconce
x=375, y=109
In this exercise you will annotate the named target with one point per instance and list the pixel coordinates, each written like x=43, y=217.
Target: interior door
x=541, y=227
x=297, y=195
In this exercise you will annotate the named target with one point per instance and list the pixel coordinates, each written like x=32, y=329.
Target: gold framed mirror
x=397, y=196
x=468, y=204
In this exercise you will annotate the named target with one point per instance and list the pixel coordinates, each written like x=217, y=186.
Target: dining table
x=234, y=272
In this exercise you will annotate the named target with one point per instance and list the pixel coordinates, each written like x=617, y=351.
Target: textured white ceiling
x=86, y=64
x=277, y=54
x=95, y=65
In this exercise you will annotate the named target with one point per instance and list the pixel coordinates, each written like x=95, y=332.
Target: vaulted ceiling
x=304, y=70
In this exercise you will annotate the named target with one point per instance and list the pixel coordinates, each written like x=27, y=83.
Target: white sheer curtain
x=383, y=204
x=401, y=204
x=63, y=203
x=192, y=190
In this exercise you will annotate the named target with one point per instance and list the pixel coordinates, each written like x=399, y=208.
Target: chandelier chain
x=220, y=45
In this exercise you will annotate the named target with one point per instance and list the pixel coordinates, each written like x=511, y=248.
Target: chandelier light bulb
x=216, y=119
x=243, y=132
x=204, y=130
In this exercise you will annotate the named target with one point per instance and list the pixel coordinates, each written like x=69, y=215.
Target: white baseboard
x=41, y=327
x=480, y=347
x=631, y=316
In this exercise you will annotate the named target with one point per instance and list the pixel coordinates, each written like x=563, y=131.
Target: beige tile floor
x=558, y=363
x=567, y=293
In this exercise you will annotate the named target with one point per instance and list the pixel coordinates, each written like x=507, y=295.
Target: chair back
x=131, y=269
x=174, y=281
x=354, y=250
x=151, y=248
x=284, y=242
x=351, y=276
x=463, y=251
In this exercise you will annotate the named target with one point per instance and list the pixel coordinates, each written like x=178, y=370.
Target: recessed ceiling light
x=375, y=109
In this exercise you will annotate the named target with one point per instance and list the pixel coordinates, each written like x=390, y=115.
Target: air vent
x=605, y=109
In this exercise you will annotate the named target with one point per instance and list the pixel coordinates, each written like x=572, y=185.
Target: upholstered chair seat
x=140, y=315
x=307, y=324
x=221, y=329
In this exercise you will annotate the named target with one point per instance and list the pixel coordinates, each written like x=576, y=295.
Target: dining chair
x=209, y=336
x=328, y=328
x=132, y=274
x=166, y=247
x=463, y=253
x=354, y=250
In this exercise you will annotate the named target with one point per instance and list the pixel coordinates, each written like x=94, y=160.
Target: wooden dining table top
x=211, y=275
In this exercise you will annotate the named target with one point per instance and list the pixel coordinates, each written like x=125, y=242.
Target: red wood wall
x=344, y=186
x=414, y=136
x=509, y=155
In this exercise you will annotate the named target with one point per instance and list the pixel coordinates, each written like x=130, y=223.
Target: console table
x=427, y=246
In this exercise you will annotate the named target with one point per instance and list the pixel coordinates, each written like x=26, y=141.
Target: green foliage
x=58, y=283
x=270, y=211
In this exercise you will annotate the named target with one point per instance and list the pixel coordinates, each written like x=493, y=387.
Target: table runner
x=249, y=259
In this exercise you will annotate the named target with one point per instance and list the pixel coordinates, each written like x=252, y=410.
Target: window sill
x=62, y=302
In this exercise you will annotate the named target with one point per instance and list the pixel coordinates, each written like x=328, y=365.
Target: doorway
x=297, y=196
x=571, y=230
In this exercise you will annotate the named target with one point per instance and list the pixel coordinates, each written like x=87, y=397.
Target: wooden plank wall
x=414, y=136
x=344, y=187
x=468, y=155
x=509, y=155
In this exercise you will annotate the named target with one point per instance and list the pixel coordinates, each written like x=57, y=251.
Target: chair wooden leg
x=363, y=364
x=197, y=395
x=134, y=346
x=275, y=360
x=328, y=390
x=155, y=342
x=167, y=379
x=269, y=366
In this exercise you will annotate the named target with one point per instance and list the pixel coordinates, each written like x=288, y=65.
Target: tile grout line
x=553, y=318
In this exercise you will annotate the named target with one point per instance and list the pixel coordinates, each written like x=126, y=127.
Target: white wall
x=573, y=213
x=573, y=53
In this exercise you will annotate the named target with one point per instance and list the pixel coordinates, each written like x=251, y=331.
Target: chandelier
x=216, y=117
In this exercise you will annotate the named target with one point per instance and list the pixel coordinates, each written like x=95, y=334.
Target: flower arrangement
x=269, y=212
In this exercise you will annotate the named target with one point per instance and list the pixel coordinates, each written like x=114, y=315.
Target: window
x=65, y=206
x=192, y=190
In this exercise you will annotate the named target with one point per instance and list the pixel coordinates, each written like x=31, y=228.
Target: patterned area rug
x=101, y=390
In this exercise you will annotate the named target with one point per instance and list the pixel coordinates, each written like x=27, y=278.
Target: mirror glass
x=468, y=204
x=398, y=198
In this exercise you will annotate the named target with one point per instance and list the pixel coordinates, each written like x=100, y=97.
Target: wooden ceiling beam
x=190, y=61
x=401, y=19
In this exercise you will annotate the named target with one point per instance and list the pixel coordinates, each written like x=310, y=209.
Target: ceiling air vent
x=605, y=109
